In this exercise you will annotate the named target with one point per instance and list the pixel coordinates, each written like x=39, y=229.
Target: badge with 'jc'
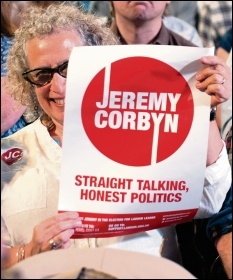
x=12, y=156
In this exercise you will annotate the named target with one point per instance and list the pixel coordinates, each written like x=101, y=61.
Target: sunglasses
x=43, y=76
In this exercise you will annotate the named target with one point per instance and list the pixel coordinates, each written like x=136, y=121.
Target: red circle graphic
x=149, y=104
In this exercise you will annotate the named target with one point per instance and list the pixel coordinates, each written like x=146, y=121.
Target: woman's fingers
x=215, y=79
x=54, y=232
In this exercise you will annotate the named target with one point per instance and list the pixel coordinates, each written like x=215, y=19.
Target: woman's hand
x=215, y=79
x=53, y=233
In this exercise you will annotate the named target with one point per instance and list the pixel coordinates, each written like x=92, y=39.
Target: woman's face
x=51, y=51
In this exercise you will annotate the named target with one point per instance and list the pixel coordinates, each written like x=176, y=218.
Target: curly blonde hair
x=44, y=21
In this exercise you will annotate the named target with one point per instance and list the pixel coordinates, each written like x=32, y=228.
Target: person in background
x=14, y=114
x=224, y=111
x=214, y=19
x=100, y=8
x=180, y=17
x=219, y=228
x=104, y=10
x=224, y=45
x=11, y=111
x=30, y=186
x=183, y=28
x=185, y=10
x=85, y=5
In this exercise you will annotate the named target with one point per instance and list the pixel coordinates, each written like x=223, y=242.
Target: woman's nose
x=58, y=83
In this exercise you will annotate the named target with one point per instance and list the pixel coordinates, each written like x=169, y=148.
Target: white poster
x=135, y=138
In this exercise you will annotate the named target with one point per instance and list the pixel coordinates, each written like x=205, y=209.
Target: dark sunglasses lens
x=63, y=70
x=40, y=78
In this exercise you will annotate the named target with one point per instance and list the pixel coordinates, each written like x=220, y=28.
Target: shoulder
x=16, y=147
x=167, y=36
x=25, y=134
x=17, y=126
x=178, y=40
x=183, y=28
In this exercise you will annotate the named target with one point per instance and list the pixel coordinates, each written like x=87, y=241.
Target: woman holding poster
x=31, y=158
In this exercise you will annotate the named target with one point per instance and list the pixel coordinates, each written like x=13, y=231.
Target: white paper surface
x=135, y=137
